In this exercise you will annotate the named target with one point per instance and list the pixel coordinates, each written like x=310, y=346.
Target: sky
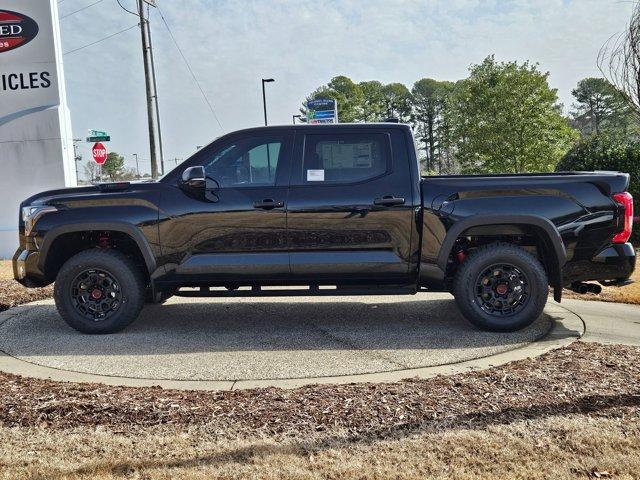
x=232, y=44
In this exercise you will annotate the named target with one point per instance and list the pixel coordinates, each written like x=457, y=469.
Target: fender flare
x=131, y=230
x=544, y=224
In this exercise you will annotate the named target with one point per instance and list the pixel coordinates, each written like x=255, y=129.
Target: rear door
x=349, y=210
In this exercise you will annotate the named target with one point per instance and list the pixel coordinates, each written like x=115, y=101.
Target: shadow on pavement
x=229, y=326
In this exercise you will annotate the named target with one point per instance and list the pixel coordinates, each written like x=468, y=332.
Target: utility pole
x=155, y=95
x=146, y=53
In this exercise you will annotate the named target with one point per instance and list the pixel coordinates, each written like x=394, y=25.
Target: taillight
x=625, y=200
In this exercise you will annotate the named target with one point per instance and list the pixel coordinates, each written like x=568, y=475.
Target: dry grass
x=6, y=271
x=573, y=447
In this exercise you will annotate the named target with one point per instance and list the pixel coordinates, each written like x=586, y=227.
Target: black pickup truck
x=333, y=210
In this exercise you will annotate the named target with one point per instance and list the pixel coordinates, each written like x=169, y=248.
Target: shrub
x=608, y=152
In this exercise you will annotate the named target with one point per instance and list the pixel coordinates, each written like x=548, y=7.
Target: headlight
x=32, y=213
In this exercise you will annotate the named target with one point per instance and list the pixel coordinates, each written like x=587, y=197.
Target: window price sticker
x=315, y=175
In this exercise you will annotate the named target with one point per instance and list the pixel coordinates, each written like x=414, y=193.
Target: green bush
x=608, y=152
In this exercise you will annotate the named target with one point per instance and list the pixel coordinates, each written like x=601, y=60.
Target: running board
x=299, y=292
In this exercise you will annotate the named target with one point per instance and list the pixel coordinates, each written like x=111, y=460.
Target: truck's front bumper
x=614, y=263
x=26, y=269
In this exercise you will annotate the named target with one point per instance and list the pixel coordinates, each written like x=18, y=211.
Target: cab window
x=245, y=163
x=344, y=158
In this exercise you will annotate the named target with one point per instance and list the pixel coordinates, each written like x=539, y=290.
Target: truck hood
x=61, y=195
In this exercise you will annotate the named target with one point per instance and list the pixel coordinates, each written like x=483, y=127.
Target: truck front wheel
x=99, y=291
x=501, y=287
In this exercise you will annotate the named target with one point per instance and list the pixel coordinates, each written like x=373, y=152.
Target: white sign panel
x=36, y=146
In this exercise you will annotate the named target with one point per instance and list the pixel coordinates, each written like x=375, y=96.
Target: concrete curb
x=567, y=327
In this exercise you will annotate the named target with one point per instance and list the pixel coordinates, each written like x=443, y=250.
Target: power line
x=101, y=40
x=81, y=9
x=126, y=10
x=204, y=95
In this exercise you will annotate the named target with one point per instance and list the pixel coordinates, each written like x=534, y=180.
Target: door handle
x=267, y=204
x=389, y=200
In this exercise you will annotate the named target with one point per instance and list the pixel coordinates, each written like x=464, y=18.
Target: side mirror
x=194, y=178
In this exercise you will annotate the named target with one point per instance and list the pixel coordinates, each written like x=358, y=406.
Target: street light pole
x=264, y=98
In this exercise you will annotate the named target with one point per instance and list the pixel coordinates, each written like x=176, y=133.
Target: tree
x=505, y=118
x=396, y=99
x=113, y=166
x=619, y=61
x=600, y=106
x=372, y=106
x=429, y=100
x=91, y=171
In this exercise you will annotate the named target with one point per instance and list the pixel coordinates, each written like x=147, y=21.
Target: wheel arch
x=544, y=229
x=124, y=228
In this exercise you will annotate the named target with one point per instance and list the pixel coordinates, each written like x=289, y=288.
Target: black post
x=264, y=98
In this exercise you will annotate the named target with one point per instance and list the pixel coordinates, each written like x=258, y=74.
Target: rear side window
x=344, y=158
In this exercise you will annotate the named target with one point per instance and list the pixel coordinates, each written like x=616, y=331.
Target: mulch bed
x=582, y=378
x=12, y=294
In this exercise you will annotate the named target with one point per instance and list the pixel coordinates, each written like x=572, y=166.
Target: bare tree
x=91, y=171
x=619, y=60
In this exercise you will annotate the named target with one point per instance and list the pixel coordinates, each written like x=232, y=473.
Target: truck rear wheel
x=99, y=291
x=501, y=288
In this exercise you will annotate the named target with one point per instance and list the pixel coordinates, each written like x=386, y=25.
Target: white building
x=36, y=144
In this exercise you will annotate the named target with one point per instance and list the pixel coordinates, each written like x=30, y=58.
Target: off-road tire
x=465, y=287
x=130, y=282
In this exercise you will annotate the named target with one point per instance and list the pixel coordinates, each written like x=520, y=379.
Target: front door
x=238, y=233
x=350, y=215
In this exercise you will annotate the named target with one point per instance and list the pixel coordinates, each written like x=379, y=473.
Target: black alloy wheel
x=96, y=294
x=502, y=289
x=99, y=291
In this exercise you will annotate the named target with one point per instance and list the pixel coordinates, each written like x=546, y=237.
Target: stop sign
x=99, y=153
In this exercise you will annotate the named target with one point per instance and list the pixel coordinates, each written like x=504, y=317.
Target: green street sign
x=97, y=133
x=99, y=138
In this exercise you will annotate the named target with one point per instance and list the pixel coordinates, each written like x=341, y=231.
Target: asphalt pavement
x=244, y=342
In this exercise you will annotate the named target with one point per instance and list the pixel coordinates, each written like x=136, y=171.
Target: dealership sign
x=16, y=29
x=322, y=110
x=36, y=140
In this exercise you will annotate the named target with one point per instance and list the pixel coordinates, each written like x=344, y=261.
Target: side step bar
x=300, y=292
